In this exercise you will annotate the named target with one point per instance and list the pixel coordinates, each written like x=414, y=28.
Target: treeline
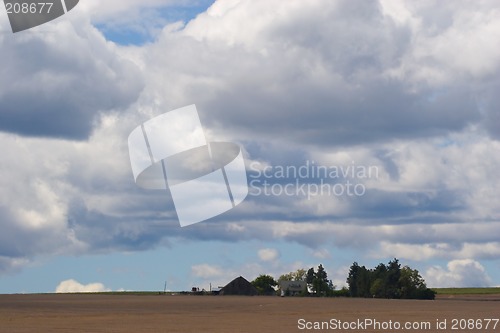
x=387, y=281
x=383, y=281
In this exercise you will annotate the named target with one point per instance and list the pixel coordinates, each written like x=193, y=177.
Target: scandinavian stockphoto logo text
x=310, y=179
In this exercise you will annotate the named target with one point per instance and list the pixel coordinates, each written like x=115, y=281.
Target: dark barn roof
x=239, y=286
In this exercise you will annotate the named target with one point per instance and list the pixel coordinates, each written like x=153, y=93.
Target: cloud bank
x=459, y=273
x=409, y=88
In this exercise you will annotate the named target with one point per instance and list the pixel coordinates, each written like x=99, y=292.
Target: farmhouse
x=292, y=288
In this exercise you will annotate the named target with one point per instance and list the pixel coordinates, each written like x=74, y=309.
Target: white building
x=292, y=288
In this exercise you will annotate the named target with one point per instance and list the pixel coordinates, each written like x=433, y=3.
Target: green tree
x=378, y=277
x=389, y=281
x=265, y=284
x=409, y=281
x=364, y=281
x=318, y=281
x=377, y=288
x=286, y=277
x=321, y=284
x=310, y=275
x=392, y=278
x=359, y=281
x=353, y=278
x=298, y=275
x=412, y=285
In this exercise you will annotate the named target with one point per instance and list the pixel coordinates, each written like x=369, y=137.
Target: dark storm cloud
x=379, y=111
x=55, y=84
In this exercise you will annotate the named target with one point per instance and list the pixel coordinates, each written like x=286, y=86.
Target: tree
x=265, y=284
x=318, y=281
x=392, y=288
x=352, y=279
x=377, y=288
x=364, y=281
x=389, y=281
x=310, y=275
x=321, y=284
x=378, y=281
x=412, y=285
x=298, y=275
x=359, y=281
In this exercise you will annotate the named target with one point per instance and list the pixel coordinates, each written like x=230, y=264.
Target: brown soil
x=160, y=313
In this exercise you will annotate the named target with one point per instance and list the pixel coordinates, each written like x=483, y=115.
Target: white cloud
x=439, y=54
x=339, y=276
x=459, y=273
x=206, y=271
x=322, y=254
x=268, y=254
x=73, y=286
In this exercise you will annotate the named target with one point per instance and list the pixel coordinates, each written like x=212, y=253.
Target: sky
x=394, y=100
